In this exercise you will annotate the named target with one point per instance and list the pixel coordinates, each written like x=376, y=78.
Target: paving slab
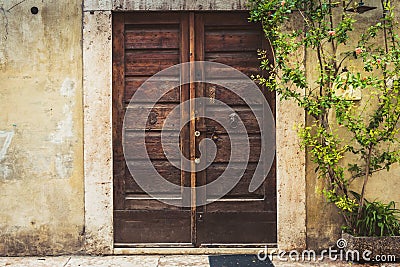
x=184, y=261
x=156, y=261
x=114, y=261
x=34, y=261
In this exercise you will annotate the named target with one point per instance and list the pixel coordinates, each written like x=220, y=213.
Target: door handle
x=152, y=118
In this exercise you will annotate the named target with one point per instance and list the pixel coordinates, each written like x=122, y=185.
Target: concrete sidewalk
x=148, y=261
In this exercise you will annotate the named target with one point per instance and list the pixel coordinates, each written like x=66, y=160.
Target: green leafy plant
x=378, y=219
x=340, y=125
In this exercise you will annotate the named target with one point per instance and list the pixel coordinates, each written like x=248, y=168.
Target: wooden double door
x=144, y=44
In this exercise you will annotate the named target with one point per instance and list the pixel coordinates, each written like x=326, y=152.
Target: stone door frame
x=97, y=102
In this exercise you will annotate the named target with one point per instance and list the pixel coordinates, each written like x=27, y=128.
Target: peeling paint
x=64, y=165
x=5, y=171
x=65, y=127
x=68, y=88
x=5, y=140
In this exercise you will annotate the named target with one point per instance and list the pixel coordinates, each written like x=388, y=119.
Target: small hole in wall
x=34, y=10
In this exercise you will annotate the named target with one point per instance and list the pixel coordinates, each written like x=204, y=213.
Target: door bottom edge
x=270, y=248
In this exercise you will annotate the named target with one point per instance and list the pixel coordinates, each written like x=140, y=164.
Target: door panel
x=143, y=44
x=152, y=226
x=240, y=217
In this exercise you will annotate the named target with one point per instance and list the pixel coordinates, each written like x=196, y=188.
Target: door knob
x=152, y=119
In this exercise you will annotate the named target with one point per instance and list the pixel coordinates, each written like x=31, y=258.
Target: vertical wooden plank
x=192, y=90
x=118, y=60
x=200, y=92
x=184, y=96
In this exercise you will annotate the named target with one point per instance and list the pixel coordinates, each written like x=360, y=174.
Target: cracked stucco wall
x=41, y=147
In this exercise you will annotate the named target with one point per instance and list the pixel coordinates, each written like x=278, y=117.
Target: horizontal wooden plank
x=229, y=93
x=214, y=171
x=135, y=203
x=246, y=62
x=239, y=205
x=153, y=145
x=151, y=89
x=141, y=169
x=223, y=115
x=156, y=37
x=237, y=228
x=164, y=226
x=147, y=63
x=152, y=18
x=232, y=40
x=155, y=120
x=224, y=143
x=230, y=19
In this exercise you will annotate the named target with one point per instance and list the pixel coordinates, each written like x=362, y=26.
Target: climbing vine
x=342, y=127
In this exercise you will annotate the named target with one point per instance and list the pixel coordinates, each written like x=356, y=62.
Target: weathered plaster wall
x=41, y=151
x=323, y=219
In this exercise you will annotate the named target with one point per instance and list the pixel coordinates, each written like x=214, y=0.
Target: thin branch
x=342, y=60
x=366, y=177
x=384, y=27
x=363, y=173
x=17, y=4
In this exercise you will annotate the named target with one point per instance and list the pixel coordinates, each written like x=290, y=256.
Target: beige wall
x=41, y=170
x=43, y=85
x=323, y=219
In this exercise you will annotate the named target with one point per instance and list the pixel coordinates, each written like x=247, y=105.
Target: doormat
x=238, y=261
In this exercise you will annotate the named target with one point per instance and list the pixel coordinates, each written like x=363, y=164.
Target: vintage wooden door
x=144, y=44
